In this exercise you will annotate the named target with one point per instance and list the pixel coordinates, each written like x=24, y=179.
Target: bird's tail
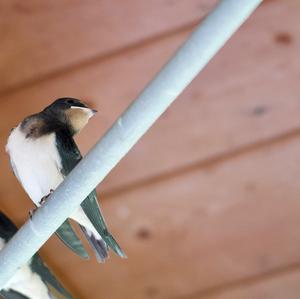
x=112, y=243
x=92, y=210
x=97, y=243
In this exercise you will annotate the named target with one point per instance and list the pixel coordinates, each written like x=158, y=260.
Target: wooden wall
x=207, y=203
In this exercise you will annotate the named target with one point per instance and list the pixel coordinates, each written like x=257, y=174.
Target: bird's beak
x=90, y=112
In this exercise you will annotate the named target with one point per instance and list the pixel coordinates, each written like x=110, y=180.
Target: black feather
x=70, y=157
x=99, y=246
x=66, y=233
x=40, y=268
x=7, y=228
x=9, y=294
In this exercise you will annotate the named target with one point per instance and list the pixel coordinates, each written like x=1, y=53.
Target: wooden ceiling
x=206, y=205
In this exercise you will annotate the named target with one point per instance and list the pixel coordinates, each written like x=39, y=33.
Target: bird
x=30, y=281
x=42, y=153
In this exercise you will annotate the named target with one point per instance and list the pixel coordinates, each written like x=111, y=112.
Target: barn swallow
x=30, y=281
x=43, y=152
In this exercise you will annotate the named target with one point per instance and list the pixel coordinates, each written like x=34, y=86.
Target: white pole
x=189, y=60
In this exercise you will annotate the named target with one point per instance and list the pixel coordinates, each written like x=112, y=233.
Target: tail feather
x=98, y=244
x=92, y=210
x=112, y=243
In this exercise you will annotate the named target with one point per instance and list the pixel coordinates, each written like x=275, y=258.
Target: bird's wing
x=7, y=230
x=66, y=233
x=9, y=294
x=38, y=267
x=91, y=208
x=42, y=270
x=7, y=227
x=70, y=157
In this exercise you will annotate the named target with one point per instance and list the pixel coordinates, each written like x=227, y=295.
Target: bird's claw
x=31, y=212
x=43, y=200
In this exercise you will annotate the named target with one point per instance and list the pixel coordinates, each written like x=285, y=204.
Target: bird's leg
x=31, y=212
x=41, y=202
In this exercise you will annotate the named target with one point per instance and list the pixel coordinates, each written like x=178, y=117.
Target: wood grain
x=200, y=230
x=229, y=106
x=38, y=39
x=185, y=231
x=277, y=286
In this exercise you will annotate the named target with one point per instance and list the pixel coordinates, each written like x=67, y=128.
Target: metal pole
x=189, y=60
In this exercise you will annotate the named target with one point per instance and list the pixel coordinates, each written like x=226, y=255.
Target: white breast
x=36, y=163
x=26, y=282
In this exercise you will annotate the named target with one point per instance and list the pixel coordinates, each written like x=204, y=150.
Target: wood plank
x=235, y=102
x=40, y=38
x=248, y=93
x=282, y=286
x=216, y=225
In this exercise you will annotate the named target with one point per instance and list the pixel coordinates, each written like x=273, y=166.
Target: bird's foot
x=43, y=200
x=31, y=212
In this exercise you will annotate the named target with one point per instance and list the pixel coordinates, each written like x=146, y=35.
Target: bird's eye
x=72, y=102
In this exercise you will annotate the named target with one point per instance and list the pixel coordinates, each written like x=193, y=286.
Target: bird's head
x=71, y=112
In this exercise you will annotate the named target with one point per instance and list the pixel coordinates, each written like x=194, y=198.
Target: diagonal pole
x=189, y=60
